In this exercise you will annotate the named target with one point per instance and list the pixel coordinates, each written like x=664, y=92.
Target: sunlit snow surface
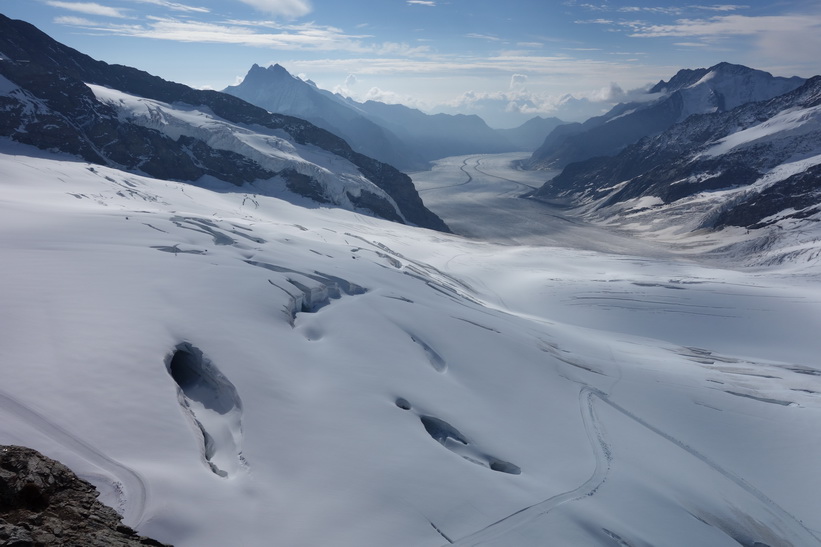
x=232, y=369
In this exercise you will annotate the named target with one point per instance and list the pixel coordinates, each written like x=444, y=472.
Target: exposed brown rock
x=43, y=503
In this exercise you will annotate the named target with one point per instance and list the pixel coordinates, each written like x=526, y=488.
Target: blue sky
x=505, y=60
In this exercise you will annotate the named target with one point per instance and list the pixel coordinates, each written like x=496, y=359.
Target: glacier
x=229, y=368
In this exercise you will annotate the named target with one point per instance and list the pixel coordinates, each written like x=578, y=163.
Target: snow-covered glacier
x=232, y=369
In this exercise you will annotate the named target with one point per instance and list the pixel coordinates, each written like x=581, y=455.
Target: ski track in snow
x=603, y=454
x=136, y=492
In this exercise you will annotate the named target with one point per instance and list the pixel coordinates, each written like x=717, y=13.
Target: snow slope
x=743, y=184
x=232, y=369
x=271, y=149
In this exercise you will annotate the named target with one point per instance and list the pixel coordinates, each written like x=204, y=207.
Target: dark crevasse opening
x=212, y=404
x=199, y=380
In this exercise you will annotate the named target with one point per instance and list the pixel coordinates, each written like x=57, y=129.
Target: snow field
x=360, y=380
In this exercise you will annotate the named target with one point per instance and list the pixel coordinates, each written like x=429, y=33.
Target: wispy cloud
x=594, y=22
x=569, y=106
x=287, y=8
x=723, y=7
x=175, y=6
x=487, y=37
x=730, y=25
x=73, y=20
x=271, y=34
x=532, y=65
x=421, y=3
x=656, y=10
x=518, y=80
x=89, y=8
x=661, y=10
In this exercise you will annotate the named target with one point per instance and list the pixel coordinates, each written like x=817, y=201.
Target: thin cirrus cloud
x=487, y=37
x=421, y=3
x=501, y=64
x=307, y=36
x=174, y=6
x=730, y=25
x=287, y=8
x=89, y=8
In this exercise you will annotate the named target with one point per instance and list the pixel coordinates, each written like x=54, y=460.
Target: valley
x=480, y=198
x=244, y=330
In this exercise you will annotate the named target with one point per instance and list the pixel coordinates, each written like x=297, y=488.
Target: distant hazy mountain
x=705, y=90
x=404, y=137
x=531, y=134
x=276, y=90
x=56, y=98
x=439, y=135
x=756, y=166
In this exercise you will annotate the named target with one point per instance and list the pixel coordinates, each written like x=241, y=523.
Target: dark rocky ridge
x=719, y=88
x=396, y=134
x=77, y=123
x=43, y=503
x=675, y=164
x=276, y=90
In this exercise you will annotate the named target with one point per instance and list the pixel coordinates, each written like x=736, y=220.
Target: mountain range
x=396, y=134
x=57, y=98
x=756, y=167
x=242, y=331
x=705, y=90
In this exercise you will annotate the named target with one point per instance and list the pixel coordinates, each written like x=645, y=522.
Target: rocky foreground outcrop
x=43, y=503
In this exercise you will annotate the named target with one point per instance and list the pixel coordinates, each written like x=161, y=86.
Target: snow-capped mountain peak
x=120, y=116
x=754, y=168
x=727, y=86
x=690, y=92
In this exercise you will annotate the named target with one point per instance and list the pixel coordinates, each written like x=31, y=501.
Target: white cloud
x=421, y=3
x=175, y=6
x=73, y=21
x=595, y=22
x=787, y=42
x=527, y=103
x=655, y=10
x=731, y=25
x=287, y=8
x=347, y=89
x=518, y=80
x=391, y=48
x=89, y=8
x=307, y=36
x=483, y=37
x=721, y=7
x=390, y=97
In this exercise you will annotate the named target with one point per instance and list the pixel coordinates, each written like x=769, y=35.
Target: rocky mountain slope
x=42, y=502
x=439, y=135
x=56, y=98
x=276, y=90
x=706, y=90
x=404, y=137
x=531, y=134
x=756, y=167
